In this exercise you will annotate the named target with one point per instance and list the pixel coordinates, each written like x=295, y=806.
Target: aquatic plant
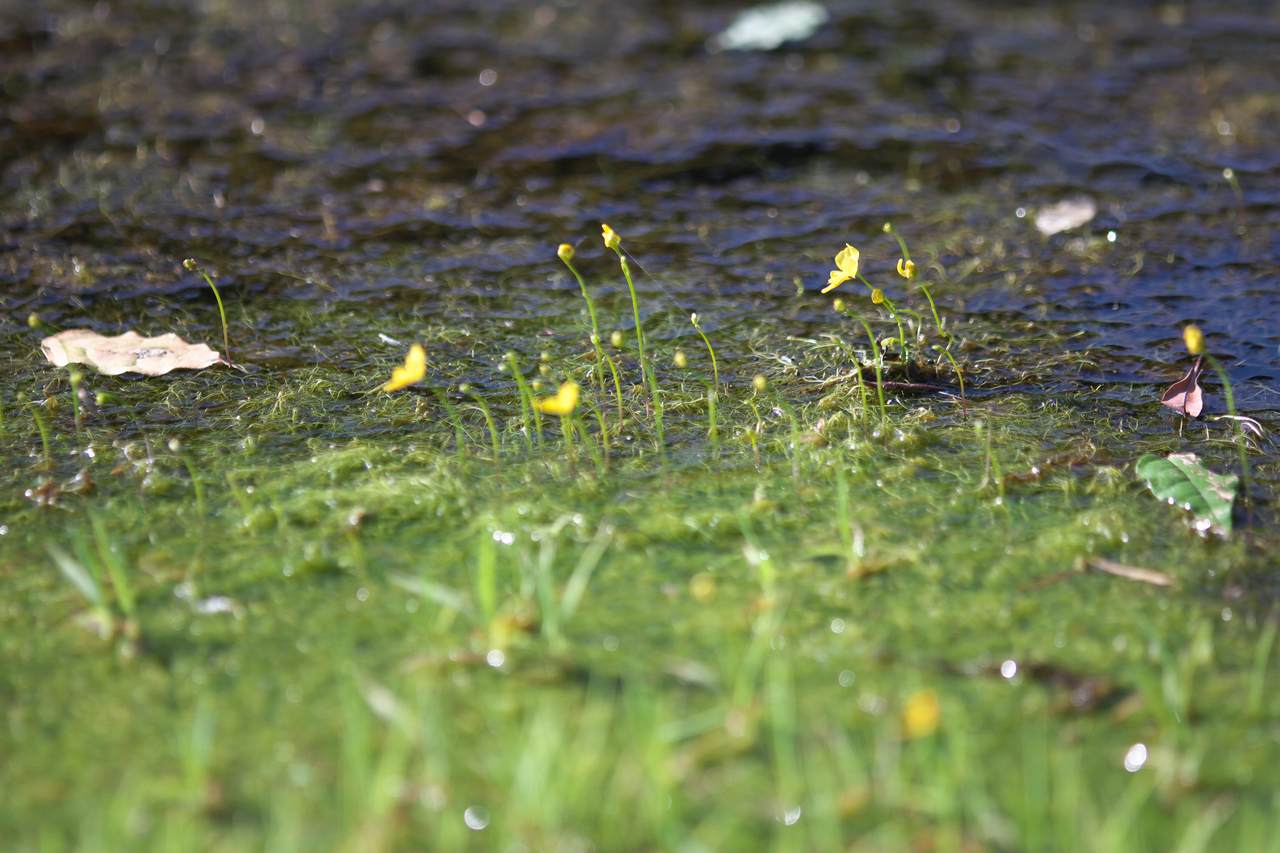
x=1193, y=338
x=613, y=242
x=192, y=265
x=411, y=372
x=906, y=268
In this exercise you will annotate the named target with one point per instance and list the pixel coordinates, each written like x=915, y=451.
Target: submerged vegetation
x=803, y=609
x=759, y=523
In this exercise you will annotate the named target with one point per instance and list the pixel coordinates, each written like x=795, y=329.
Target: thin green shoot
x=110, y=557
x=75, y=377
x=191, y=265
x=715, y=369
x=646, y=369
x=459, y=432
x=529, y=413
x=1241, y=441
x=617, y=386
x=566, y=256
x=879, y=359
x=483, y=407
x=895, y=315
x=43, y=429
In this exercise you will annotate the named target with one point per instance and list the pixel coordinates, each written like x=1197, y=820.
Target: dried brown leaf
x=127, y=353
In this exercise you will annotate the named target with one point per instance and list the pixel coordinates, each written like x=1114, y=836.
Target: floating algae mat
x=506, y=530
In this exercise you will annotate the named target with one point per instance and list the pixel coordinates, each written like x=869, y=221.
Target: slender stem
x=646, y=369
x=617, y=385
x=222, y=314
x=44, y=435
x=893, y=312
x=489, y=422
x=1231, y=409
x=595, y=323
x=459, y=434
x=875, y=348
x=528, y=410
x=715, y=370
x=635, y=307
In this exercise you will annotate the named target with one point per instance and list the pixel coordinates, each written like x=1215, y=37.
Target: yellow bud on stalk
x=1194, y=339
x=611, y=238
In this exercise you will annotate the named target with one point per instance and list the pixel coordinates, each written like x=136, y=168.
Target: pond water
x=431, y=154
x=777, y=599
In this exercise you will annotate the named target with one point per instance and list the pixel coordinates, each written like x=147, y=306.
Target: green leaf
x=1180, y=479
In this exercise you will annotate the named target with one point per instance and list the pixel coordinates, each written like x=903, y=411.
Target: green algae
x=359, y=634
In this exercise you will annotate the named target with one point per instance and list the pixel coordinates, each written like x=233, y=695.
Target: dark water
x=433, y=154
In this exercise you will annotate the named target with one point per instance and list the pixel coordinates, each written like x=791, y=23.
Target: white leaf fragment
x=127, y=353
x=768, y=27
x=1065, y=215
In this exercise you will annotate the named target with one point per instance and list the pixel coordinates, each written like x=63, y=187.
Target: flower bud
x=1194, y=339
x=906, y=268
x=611, y=238
x=759, y=383
x=565, y=252
x=877, y=296
x=190, y=265
x=839, y=305
x=616, y=339
x=680, y=359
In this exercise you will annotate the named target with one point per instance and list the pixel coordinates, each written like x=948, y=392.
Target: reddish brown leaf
x=1184, y=396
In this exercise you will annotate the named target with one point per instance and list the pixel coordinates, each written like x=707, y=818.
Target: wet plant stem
x=191, y=264
x=646, y=369
x=595, y=323
x=894, y=313
x=715, y=368
x=75, y=377
x=1241, y=440
x=43, y=429
x=875, y=349
x=489, y=422
x=529, y=413
x=460, y=434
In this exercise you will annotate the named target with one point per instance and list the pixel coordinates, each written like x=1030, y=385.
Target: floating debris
x=1065, y=215
x=127, y=353
x=768, y=27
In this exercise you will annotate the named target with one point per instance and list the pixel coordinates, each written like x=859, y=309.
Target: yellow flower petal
x=563, y=403
x=835, y=279
x=414, y=369
x=847, y=260
x=610, y=237
x=1194, y=339
x=906, y=269
x=921, y=715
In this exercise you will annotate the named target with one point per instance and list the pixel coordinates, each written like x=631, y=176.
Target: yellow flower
x=846, y=268
x=563, y=403
x=906, y=268
x=611, y=238
x=921, y=715
x=565, y=252
x=1194, y=339
x=415, y=367
x=877, y=296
